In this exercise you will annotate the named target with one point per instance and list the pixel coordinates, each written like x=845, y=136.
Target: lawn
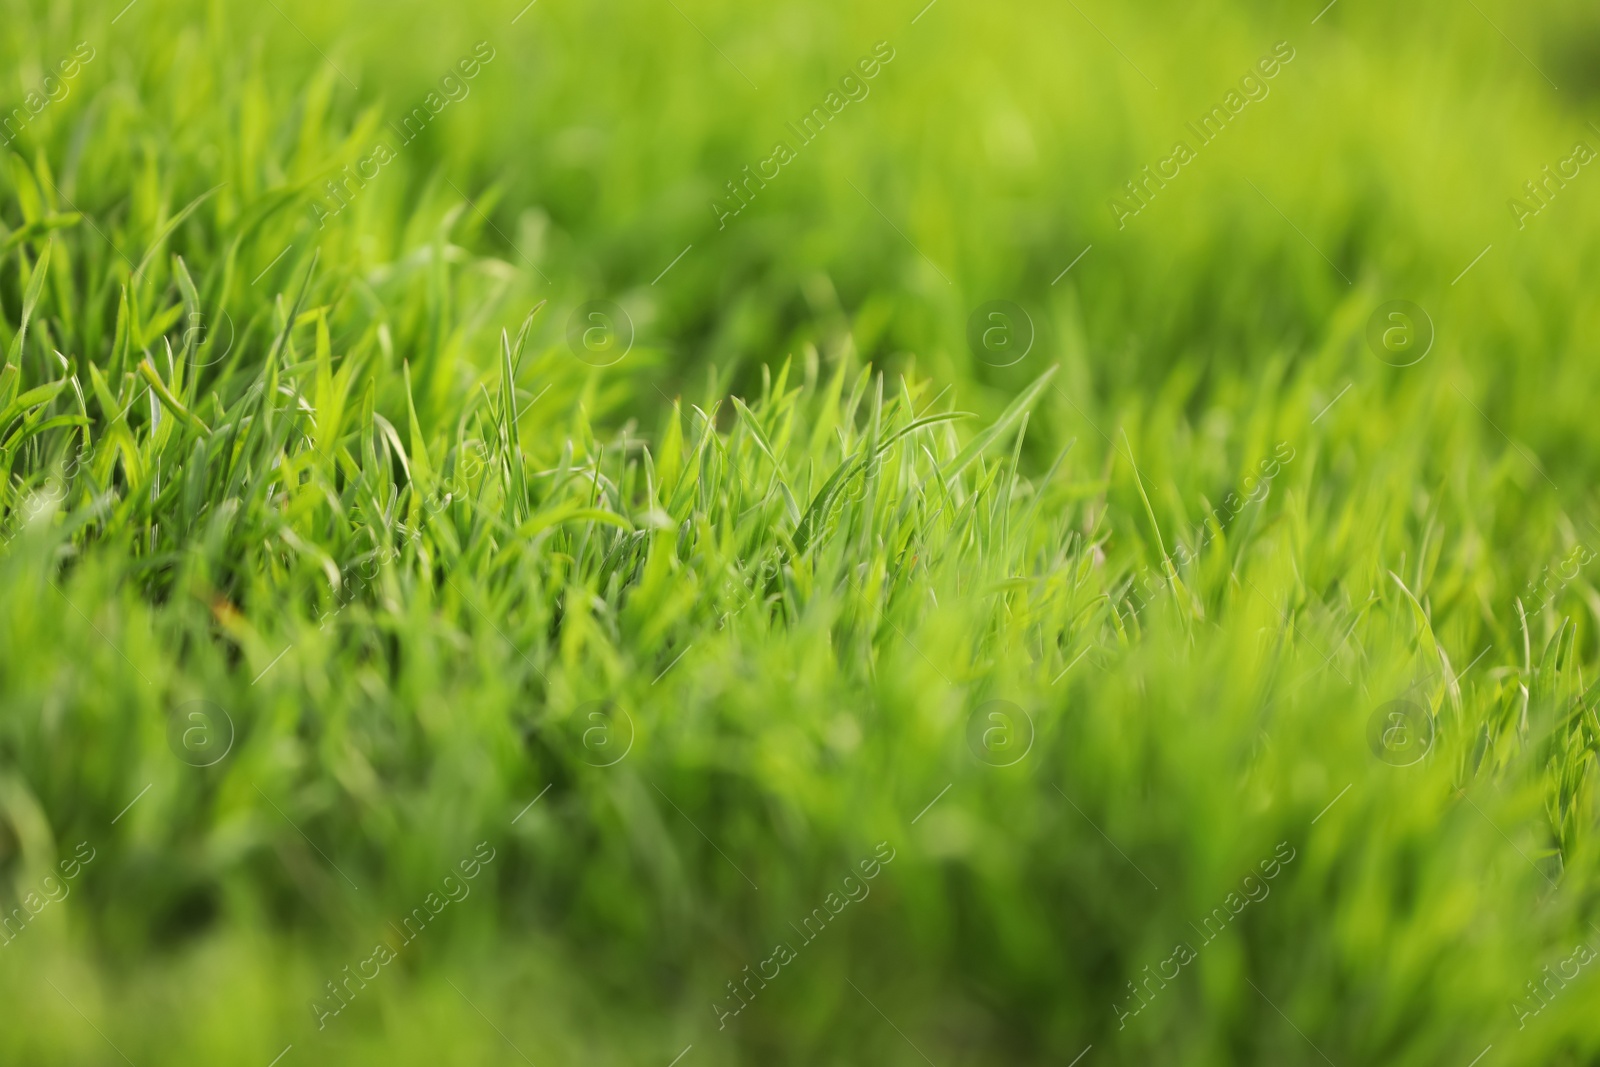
x=688, y=534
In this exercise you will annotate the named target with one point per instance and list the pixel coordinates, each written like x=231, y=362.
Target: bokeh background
x=1228, y=317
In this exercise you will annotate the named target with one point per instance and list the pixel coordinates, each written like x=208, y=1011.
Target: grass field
x=691, y=534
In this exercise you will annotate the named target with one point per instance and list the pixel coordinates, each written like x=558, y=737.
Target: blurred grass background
x=813, y=714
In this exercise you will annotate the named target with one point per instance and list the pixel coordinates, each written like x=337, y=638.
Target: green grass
x=683, y=641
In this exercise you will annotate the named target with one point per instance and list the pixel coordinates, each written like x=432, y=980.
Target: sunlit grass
x=332, y=554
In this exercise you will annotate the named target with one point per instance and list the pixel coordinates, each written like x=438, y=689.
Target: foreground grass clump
x=798, y=613
x=384, y=679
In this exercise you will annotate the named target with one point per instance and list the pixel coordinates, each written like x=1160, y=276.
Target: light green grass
x=351, y=485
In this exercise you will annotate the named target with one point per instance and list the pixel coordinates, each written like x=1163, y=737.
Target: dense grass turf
x=399, y=664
